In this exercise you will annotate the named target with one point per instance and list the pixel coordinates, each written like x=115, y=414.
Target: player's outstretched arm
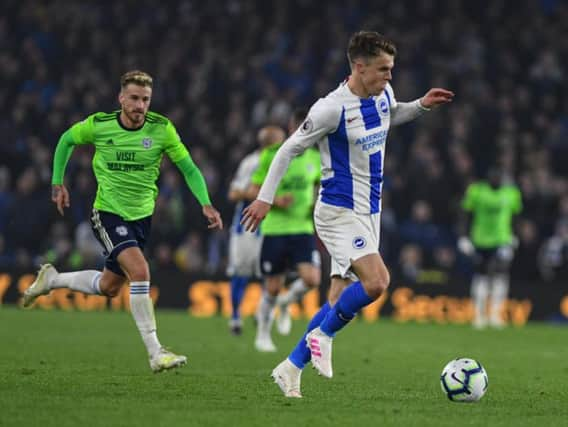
x=436, y=96
x=403, y=112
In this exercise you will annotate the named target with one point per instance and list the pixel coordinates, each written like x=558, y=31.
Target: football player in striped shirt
x=350, y=126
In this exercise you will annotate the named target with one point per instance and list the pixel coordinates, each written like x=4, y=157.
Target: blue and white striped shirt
x=351, y=133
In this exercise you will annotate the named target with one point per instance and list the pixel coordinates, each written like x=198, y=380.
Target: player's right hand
x=60, y=196
x=253, y=214
x=213, y=216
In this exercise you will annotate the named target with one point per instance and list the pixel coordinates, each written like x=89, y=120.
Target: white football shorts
x=347, y=236
x=244, y=254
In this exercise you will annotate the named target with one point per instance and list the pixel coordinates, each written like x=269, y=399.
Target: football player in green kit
x=129, y=145
x=288, y=231
x=489, y=207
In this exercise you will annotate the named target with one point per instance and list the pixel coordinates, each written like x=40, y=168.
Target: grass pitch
x=90, y=369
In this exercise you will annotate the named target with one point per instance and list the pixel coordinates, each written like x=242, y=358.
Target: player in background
x=288, y=237
x=489, y=207
x=244, y=248
x=350, y=125
x=297, y=288
x=129, y=145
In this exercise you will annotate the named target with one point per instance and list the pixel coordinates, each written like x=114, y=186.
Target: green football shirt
x=127, y=162
x=492, y=211
x=299, y=180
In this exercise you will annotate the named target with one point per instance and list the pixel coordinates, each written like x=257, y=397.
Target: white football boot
x=40, y=286
x=320, y=347
x=288, y=377
x=165, y=359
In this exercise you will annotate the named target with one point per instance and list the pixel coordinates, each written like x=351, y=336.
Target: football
x=464, y=380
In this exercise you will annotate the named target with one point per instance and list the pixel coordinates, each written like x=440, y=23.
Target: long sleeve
x=407, y=111
x=194, y=179
x=62, y=154
x=322, y=119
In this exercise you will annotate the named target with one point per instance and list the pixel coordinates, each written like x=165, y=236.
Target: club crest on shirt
x=146, y=143
x=359, y=242
x=383, y=108
x=307, y=126
x=267, y=266
x=121, y=230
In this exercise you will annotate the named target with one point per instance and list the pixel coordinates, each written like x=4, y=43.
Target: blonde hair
x=136, y=77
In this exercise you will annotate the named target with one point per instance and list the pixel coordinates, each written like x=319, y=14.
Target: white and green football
x=464, y=380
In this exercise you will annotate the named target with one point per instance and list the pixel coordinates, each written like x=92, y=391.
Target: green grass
x=90, y=369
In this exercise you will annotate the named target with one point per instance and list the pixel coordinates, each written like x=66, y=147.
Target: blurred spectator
x=410, y=264
x=553, y=260
x=420, y=229
x=525, y=261
x=7, y=259
x=82, y=193
x=163, y=257
x=6, y=197
x=445, y=263
x=389, y=230
x=190, y=256
x=88, y=247
x=28, y=214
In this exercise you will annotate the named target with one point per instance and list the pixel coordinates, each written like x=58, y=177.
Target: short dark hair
x=136, y=77
x=368, y=44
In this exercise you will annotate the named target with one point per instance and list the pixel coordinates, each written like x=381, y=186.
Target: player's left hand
x=213, y=217
x=253, y=214
x=436, y=96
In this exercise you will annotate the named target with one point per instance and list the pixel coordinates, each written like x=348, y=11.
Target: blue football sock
x=238, y=286
x=352, y=299
x=301, y=354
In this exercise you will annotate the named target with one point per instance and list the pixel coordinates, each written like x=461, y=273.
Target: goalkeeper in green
x=129, y=145
x=490, y=206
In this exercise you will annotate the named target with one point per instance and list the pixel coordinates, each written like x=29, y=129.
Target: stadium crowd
x=223, y=69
